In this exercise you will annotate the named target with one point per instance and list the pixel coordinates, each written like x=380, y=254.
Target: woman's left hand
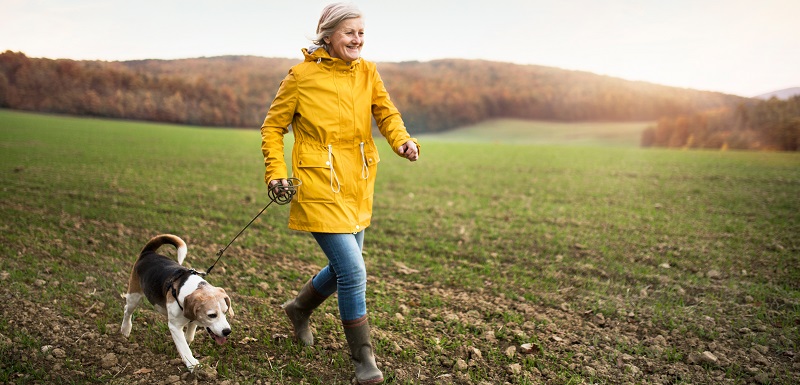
x=409, y=151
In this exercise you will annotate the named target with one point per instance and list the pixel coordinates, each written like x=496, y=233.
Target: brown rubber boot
x=361, y=351
x=299, y=310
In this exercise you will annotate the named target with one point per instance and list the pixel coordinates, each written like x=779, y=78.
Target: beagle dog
x=179, y=293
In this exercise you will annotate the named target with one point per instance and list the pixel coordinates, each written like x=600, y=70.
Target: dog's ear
x=230, y=308
x=227, y=302
x=189, y=305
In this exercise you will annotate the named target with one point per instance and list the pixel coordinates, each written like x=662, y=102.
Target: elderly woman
x=330, y=99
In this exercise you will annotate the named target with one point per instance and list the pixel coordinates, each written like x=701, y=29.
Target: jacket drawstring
x=364, y=167
x=333, y=172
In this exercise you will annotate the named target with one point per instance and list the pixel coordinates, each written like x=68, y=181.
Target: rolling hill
x=783, y=94
x=435, y=96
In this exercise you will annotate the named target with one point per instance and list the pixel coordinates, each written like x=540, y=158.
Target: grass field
x=617, y=264
x=511, y=131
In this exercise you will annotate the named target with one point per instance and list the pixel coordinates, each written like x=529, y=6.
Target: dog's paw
x=205, y=372
x=192, y=364
x=125, y=330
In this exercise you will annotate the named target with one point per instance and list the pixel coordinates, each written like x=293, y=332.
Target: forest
x=766, y=125
x=434, y=96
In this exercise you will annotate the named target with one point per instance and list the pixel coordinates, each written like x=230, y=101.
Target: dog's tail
x=173, y=240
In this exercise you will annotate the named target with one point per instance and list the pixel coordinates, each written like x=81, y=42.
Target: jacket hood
x=312, y=48
x=318, y=53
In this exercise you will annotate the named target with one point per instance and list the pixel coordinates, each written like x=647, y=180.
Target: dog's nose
x=225, y=332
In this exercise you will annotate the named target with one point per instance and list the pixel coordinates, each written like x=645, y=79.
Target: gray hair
x=332, y=15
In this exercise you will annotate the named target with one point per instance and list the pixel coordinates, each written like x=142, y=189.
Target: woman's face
x=346, y=41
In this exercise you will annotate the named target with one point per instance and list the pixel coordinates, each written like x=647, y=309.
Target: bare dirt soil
x=573, y=346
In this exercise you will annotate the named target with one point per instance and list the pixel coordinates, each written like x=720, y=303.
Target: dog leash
x=277, y=194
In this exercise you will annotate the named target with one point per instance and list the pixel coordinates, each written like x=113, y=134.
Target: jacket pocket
x=371, y=154
x=369, y=169
x=313, y=169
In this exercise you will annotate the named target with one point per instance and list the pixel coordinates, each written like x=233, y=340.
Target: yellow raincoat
x=330, y=104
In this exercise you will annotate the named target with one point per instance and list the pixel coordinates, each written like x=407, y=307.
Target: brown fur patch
x=133, y=283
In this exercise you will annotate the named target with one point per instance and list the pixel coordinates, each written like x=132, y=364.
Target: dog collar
x=171, y=284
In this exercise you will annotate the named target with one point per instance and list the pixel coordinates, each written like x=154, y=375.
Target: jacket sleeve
x=275, y=126
x=386, y=115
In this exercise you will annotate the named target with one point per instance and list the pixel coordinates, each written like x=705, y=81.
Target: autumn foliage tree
x=757, y=125
x=235, y=91
x=115, y=90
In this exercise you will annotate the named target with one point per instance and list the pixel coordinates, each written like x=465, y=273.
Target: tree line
x=119, y=90
x=450, y=93
x=758, y=125
x=235, y=91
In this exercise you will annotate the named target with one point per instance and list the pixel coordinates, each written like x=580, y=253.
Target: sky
x=741, y=47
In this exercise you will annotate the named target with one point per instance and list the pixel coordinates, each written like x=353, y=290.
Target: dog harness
x=180, y=277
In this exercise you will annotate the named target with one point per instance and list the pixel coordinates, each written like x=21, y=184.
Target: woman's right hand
x=278, y=191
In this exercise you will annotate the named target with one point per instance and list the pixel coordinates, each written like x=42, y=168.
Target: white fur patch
x=189, y=287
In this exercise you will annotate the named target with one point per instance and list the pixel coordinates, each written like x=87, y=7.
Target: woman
x=330, y=100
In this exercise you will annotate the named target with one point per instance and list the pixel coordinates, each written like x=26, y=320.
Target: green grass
x=513, y=221
x=512, y=131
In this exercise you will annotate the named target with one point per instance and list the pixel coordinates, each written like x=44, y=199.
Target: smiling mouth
x=219, y=340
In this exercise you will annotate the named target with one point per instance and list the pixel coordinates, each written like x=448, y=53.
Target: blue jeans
x=345, y=272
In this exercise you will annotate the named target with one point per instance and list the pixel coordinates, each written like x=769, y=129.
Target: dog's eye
x=212, y=315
